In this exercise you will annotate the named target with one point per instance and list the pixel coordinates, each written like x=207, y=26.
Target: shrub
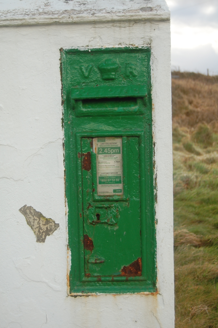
x=190, y=148
x=203, y=135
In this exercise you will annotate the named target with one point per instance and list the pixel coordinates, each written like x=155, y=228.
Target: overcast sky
x=194, y=28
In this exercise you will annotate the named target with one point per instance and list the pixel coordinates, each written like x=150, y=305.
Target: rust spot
x=79, y=155
x=68, y=282
x=88, y=243
x=134, y=269
x=98, y=278
x=68, y=261
x=88, y=275
x=86, y=165
x=154, y=293
x=80, y=214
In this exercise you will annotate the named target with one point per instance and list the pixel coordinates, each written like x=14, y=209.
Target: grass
x=195, y=144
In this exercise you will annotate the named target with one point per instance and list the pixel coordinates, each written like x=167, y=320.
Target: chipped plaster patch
x=41, y=226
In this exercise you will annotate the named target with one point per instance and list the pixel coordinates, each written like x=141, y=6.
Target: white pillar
x=33, y=276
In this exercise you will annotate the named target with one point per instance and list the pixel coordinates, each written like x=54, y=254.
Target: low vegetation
x=195, y=144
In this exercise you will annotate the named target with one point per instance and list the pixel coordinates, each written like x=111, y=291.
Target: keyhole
x=98, y=217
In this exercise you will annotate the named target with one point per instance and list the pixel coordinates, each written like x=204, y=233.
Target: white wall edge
x=67, y=19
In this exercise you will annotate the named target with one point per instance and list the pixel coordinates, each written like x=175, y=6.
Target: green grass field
x=195, y=145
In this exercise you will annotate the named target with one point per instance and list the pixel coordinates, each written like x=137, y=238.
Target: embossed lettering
x=86, y=70
x=130, y=70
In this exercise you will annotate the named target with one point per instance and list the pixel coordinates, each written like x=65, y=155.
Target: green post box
x=109, y=170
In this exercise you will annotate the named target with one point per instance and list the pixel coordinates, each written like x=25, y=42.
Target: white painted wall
x=33, y=285
x=23, y=12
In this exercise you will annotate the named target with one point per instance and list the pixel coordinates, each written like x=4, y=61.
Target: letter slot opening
x=109, y=106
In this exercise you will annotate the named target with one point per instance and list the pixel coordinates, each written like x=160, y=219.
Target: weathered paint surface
x=41, y=226
x=33, y=275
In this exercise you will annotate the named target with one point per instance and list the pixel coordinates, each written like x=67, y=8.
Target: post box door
x=112, y=227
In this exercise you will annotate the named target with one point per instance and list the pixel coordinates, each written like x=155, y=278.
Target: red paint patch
x=86, y=164
x=134, y=269
x=88, y=243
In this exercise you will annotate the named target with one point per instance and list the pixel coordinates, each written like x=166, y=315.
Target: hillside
x=195, y=145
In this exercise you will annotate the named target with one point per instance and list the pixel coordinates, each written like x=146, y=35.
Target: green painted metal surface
x=107, y=94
